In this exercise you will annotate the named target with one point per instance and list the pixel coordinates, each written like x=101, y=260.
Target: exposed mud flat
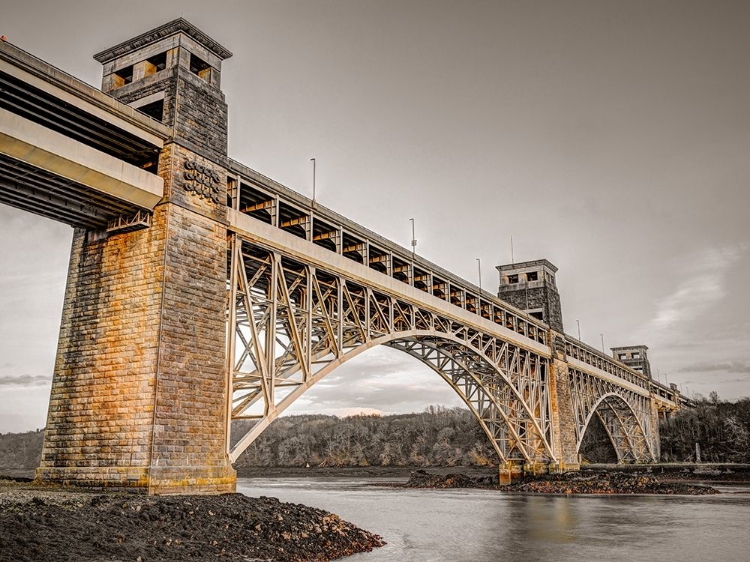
x=40, y=525
x=569, y=483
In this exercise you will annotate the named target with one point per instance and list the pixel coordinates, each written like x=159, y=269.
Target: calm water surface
x=480, y=525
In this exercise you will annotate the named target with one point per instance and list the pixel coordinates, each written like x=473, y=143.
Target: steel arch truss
x=624, y=413
x=290, y=324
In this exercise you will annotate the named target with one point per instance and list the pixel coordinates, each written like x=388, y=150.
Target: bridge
x=201, y=292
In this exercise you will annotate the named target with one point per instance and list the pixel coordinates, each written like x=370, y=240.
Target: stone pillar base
x=561, y=467
x=535, y=469
x=192, y=480
x=132, y=478
x=508, y=472
x=153, y=481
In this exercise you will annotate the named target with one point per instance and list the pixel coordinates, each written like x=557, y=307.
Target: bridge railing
x=596, y=358
x=669, y=393
x=258, y=196
x=592, y=356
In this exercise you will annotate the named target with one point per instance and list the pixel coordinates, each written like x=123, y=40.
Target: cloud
x=25, y=380
x=382, y=380
x=724, y=366
x=701, y=288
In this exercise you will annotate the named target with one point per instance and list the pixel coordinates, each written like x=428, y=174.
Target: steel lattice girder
x=290, y=324
x=624, y=414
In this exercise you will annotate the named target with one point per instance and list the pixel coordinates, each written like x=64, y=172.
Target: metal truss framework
x=290, y=324
x=624, y=413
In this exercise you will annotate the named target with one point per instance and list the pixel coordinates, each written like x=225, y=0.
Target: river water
x=482, y=525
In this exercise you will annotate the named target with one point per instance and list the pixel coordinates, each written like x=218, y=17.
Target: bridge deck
x=70, y=152
x=283, y=209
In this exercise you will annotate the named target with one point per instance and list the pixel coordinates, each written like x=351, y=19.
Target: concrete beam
x=91, y=100
x=39, y=146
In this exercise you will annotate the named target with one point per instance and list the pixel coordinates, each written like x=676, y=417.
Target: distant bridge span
x=201, y=292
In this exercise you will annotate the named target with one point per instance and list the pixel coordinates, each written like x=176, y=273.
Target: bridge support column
x=564, y=443
x=140, y=389
x=139, y=394
x=508, y=472
x=535, y=469
x=655, y=436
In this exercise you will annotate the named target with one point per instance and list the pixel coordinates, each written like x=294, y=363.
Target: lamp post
x=314, y=170
x=479, y=268
x=413, y=240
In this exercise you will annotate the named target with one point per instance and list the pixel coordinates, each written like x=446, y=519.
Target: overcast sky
x=612, y=138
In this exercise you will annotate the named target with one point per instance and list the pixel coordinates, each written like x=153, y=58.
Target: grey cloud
x=724, y=366
x=24, y=380
x=387, y=381
x=396, y=399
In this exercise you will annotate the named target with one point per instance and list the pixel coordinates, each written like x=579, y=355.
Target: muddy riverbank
x=716, y=473
x=590, y=482
x=49, y=524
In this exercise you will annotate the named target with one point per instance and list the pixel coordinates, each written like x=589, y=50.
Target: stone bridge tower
x=139, y=395
x=531, y=286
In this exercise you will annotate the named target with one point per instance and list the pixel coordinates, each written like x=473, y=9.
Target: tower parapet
x=531, y=286
x=635, y=357
x=173, y=74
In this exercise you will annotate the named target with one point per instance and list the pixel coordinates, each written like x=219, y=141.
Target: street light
x=413, y=240
x=314, y=166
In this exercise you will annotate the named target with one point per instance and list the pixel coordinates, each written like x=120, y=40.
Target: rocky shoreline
x=602, y=482
x=49, y=524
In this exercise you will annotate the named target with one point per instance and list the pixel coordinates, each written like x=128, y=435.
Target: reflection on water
x=480, y=525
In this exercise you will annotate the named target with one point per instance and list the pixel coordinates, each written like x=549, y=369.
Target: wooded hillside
x=441, y=437
x=436, y=437
x=722, y=429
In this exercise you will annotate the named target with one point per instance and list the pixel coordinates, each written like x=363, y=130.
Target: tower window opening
x=155, y=110
x=532, y=276
x=199, y=67
x=124, y=76
x=158, y=61
x=512, y=279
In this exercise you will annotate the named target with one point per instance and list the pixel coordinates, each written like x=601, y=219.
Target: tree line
x=441, y=437
x=436, y=437
x=720, y=428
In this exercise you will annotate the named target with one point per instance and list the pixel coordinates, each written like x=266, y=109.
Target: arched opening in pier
x=509, y=427
x=597, y=446
x=620, y=423
x=381, y=409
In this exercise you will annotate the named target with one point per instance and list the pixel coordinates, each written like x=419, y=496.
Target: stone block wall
x=200, y=115
x=102, y=401
x=563, y=416
x=190, y=419
x=535, y=296
x=139, y=396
